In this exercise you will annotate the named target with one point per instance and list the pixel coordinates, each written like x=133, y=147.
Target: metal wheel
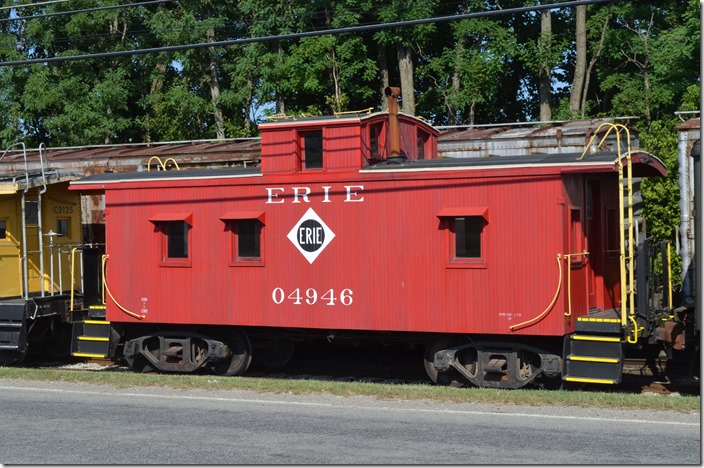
x=139, y=364
x=240, y=355
x=272, y=354
x=526, y=364
x=450, y=377
x=12, y=358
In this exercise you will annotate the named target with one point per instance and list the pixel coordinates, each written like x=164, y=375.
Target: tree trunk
x=248, y=104
x=405, y=65
x=280, y=104
x=383, y=63
x=336, y=82
x=544, y=87
x=215, y=88
x=592, y=62
x=580, y=66
x=452, y=106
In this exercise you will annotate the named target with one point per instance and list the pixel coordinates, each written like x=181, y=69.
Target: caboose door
x=594, y=240
x=577, y=274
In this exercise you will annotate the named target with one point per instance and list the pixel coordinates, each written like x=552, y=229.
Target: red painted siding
x=346, y=142
x=387, y=268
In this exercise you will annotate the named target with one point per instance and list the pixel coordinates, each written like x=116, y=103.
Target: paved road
x=61, y=423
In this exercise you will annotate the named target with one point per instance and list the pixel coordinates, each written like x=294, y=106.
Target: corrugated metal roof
x=500, y=140
x=185, y=152
x=504, y=140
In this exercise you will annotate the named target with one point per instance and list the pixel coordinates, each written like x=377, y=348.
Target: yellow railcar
x=40, y=268
x=37, y=236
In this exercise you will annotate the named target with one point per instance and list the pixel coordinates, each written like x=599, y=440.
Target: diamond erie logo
x=310, y=235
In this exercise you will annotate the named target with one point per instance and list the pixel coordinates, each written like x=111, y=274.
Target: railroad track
x=393, y=365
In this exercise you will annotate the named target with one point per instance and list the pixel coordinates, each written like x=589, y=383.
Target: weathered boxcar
x=506, y=268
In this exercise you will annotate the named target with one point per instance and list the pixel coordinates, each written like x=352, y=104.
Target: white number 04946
x=310, y=296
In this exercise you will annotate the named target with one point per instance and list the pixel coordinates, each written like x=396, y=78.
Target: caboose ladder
x=594, y=353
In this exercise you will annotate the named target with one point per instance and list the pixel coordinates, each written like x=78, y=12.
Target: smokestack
x=392, y=95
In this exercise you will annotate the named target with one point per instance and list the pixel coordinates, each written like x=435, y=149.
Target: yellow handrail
x=567, y=257
x=162, y=163
x=669, y=276
x=535, y=320
x=368, y=110
x=73, y=279
x=627, y=273
x=105, y=286
x=636, y=330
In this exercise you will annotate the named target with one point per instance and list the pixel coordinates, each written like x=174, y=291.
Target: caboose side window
x=312, y=149
x=174, y=230
x=468, y=237
x=176, y=239
x=247, y=234
x=248, y=239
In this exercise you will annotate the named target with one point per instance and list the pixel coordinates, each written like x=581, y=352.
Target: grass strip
x=597, y=399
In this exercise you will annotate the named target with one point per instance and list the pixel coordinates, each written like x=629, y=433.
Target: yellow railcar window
x=3, y=229
x=62, y=227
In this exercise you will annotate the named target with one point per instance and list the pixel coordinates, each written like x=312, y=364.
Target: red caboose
x=351, y=225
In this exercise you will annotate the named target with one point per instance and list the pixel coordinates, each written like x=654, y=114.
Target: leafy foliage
x=644, y=62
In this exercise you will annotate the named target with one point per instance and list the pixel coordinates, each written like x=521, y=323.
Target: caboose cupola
x=345, y=142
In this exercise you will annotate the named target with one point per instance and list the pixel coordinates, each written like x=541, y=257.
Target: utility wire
x=87, y=10
x=324, y=32
x=27, y=5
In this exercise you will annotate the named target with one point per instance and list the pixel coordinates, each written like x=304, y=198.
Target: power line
x=86, y=10
x=324, y=32
x=27, y=5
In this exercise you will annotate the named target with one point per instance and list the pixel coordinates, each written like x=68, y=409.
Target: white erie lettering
x=278, y=195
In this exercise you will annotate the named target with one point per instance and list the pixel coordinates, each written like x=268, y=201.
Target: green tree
x=467, y=73
x=406, y=42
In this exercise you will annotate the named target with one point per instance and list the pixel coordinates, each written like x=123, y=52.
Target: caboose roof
x=644, y=165
x=13, y=182
x=356, y=117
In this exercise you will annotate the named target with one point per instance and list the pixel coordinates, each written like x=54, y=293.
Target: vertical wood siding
x=390, y=257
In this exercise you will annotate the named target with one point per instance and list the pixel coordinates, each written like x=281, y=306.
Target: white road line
x=356, y=407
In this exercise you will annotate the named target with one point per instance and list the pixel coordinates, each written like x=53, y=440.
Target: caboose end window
x=3, y=229
x=423, y=139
